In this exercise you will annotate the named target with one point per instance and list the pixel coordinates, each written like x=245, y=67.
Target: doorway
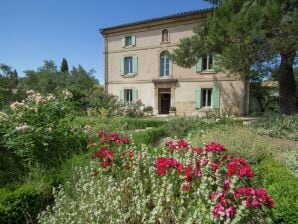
x=164, y=100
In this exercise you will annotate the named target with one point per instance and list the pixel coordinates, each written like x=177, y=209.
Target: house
x=137, y=66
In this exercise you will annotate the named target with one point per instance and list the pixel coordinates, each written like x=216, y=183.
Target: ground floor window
x=206, y=97
x=128, y=96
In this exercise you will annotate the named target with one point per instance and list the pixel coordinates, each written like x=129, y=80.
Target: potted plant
x=172, y=111
x=148, y=111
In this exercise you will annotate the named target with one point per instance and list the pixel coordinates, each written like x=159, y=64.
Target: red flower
x=182, y=144
x=186, y=187
x=214, y=147
x=218, y=210
x=105, y=164
x=226, y=184
x=214, y=166
x=125, y=140
x=212, y=196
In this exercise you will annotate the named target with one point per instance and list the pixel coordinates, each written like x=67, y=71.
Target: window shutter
x=216, y=98
x=216, y=62
x=134, y=95
x=199, y=65
x=123, y=41
x=133, y=40
x=122, y=66
x=198, y=102
x=135, y=65
x=121, y=96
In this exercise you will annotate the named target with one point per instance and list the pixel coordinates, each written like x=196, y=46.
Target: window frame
x=129, y=70
x=164, y=63
x=128, y=96
x=206, y=98
x=206, y=59
x=127, y=41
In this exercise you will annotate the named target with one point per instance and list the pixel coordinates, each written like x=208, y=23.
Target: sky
x=32, y=31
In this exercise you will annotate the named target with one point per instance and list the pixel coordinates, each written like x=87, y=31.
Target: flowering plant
x=177, y=183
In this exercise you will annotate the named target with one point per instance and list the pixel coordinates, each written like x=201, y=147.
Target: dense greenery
x=275, y=125
x=248, y=37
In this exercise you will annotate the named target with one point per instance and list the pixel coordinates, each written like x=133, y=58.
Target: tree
x=249, y=35
x=64, y=66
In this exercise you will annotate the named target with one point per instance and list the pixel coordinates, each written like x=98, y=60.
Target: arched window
x=164, y=64
x=165, y=35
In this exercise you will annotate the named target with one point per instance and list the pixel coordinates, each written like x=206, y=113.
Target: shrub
x=133, y=109
x=148, y=109
x=39, y=131
x=172, y=109
x=279, y=126
x=148, y=137
x=176, y=184
x=283, y=187
x=21, y=205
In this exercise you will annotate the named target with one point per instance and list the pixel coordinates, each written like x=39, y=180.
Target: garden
x=61, y=166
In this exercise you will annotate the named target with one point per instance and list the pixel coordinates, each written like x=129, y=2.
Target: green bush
x=148, y=109
x=148, y=137
x=279, y=126
x=132, y=124
x=21, y=205
x=173, y=109
x=282, y=186
x=39, y=132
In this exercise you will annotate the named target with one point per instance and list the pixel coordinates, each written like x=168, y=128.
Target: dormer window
x=165, y=36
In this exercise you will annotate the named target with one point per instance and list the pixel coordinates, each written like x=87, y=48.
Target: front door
x=164, y=101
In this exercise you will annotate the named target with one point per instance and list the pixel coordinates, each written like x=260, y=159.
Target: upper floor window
x=165, y=36
x=128, y=65
x=164, y=64
x=205, y=63
x=128, y=41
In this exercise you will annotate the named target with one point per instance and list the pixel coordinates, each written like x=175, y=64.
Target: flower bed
x=177, y=183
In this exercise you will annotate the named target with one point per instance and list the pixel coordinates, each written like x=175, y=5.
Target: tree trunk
x=287, y=84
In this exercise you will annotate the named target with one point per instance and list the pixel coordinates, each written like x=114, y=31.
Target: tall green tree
x=249, y=35
x=64, y=65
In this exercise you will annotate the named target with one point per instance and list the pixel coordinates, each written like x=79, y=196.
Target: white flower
x=16, y=105
x=22, y=127
x=67, y=94
x=30, y=92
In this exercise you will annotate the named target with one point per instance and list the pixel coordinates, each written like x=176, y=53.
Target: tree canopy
x=249, y=35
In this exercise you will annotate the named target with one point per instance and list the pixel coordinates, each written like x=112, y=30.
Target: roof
x=177, y=15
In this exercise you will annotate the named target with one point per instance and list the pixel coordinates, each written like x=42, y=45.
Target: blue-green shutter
x=216, y=62
x=133, y=40
x=135, y=95
x=199, y=65
x=121, y=97
x=216, y=98
x=123, y=41
x=122, y=66
x=198, y=102
x=135, y=65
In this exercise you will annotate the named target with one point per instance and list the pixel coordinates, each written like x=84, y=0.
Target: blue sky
x=36, y=30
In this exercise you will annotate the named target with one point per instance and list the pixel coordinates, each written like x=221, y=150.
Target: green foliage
x=283, y=187
x=148, y=109
x=249, y=36
x=39, y=131
x=20, y=205
x=64, y=65
x=173, y=109
x=133, y=109
x=148, y=136
x=279, y=126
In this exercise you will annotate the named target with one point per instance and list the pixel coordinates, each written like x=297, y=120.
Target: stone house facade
x=137, y=67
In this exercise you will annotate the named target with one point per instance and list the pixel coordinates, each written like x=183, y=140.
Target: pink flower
x=105, y=164
x=214, y=166
x=214, y=147
x=212, y=196
x=218, y=210
x=226, y=184
x=125, y=140
x=230, y=212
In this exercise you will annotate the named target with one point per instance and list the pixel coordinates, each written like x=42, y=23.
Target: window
x=206, y=97
x=128, y=64
x=128, y=96
x=164, y=64
x=207, y=62
x=165, y=36
x=128, y=41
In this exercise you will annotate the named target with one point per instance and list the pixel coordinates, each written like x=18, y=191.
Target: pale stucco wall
x=148, y=49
